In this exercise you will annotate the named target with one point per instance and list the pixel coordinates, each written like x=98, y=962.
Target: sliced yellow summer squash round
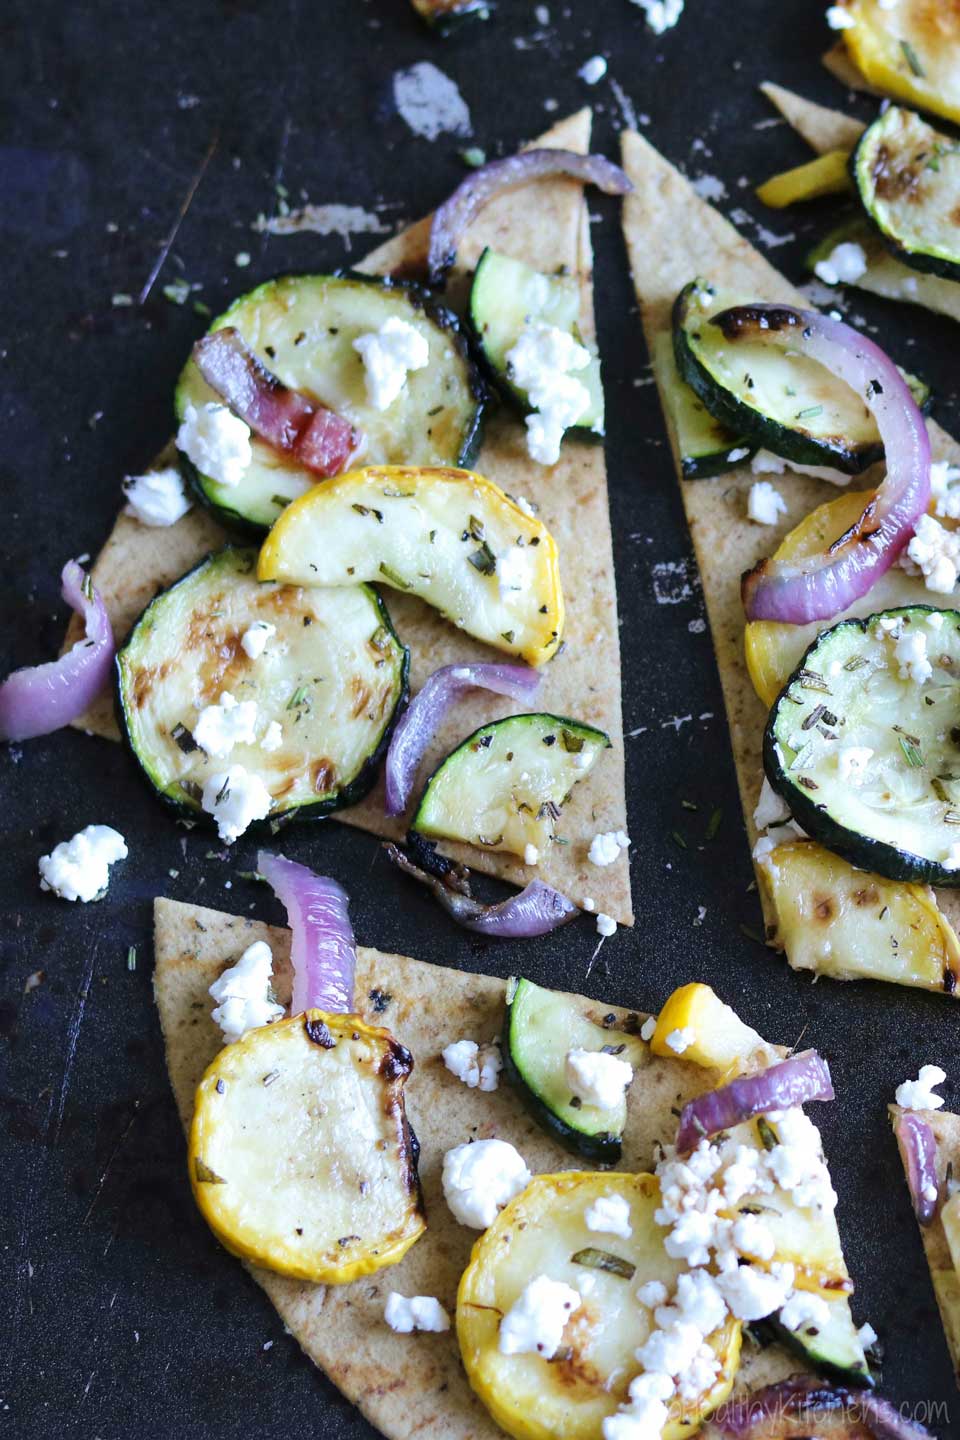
x=300, y=1155
x=910, y=50
x=717, y=1038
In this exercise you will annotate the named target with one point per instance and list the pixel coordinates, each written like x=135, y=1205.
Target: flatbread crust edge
x=943, y=1276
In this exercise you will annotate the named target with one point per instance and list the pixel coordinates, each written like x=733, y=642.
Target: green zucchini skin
x=250, y=508
x=694, y=330
x=814, y=809
x=497, y=312
x=834, y=1351
x=532, y=1074
x=704, y=444
x=185, y=806
x=902, y=169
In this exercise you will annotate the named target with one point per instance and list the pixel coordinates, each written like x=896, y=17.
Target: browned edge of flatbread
x=672, y=236
x=822, y=128
x=943, y=1276
x=405, y=1385
x=547, y=226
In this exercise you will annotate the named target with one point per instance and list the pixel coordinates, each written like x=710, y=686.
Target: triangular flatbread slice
x=546, y=226
x=673, y=236
x=404, y=1385
x=822, y=128
x=943, y=1274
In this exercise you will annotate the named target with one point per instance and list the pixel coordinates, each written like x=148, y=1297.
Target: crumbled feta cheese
x=771, y=807
x=480, y=1178
x=935, y=620
x=523, y=504
x=610, y=1215
x=588, y=903
x=242, y=994
x=946, y=498
x=910, y=653
x=534, y=1324
x=661, y=15
x=652, y=1294
x=919, y=1094
x=530, y=854
x=846, y=263
x=852, y=762
x=740, y=453
x=477, y=1067
x=235, y=799
x=753, y=1294
x=79, y=869
x=867, y=1336
x=419, y=1312
x=593, y=70
x=765, y=462
x=158, y=497
x=804, y=1310
x=597, y=1078
x=606, y=925
x=765, y=504
x=680, y=1040
x=230, y=722
x=643, y=1419
x=388, y=354
x=951, y=861
x=605, y=848
x=216, y=441
x=840, y=19
x=648, y=1028
x=752, y=1236
x=934, y=552
x=272, y=737
x=541, y=363
x=255, y=637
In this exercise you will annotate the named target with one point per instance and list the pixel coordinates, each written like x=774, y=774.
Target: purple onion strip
x=323, y=951
x=803, y=1077
x=537, y=910
x=918, y=1146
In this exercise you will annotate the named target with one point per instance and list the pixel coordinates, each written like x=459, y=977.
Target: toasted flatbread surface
x=822, y=128
x=946, y=1282
x=547, y=226
x=673, y=236
x=404, y=1385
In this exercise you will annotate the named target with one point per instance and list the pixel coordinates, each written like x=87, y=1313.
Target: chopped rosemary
x=573, y=744
x=713, y=824
x=282, y=500
x=300, y=696
x=476, y=528
x=678, y=839
x=768, y=1136
x=856, y=662
x=809, y=413
x=206, y=1176
x=183, y=738
x=380, y=639
x=132, y=958
x=811, y=680
x=911, y=752
x=392, y=578
x=912, y=59
x=484, y=560
x=604, y=1260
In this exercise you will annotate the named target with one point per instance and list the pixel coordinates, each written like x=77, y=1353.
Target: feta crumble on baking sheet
x=592, y=71
x=846, y=263
x=216, y=441
x=429, y=102
x=157, y=497
x=606, y=925
x=242, y=994
x=661, y=15
x=388, y=355
x=79, y=869
x=418, y=1312
x=919, y=1094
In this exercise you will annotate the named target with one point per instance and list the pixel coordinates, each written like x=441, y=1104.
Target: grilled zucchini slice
x=540, y=1233
x=541, y=1026
x=301, y=1158
x=302, y=327
x=827, y=174
x=505, y=786
x=908, y=178
x=783, y=402
x=450, y=537
x=505, y=296
x=910, y=51
x=834, y=1349
x=850, y=925
x=705, y=446
x=332, y=676
x=861, y=686
x=887, y=276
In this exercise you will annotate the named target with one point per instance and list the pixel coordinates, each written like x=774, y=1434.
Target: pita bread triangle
x=822, y=128
x=548, y=232
x=673, y=236
x=943, y=1274
x=404, y=1385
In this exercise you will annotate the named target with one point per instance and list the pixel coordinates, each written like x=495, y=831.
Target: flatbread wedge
x=943, y=1271
x=673, y=236
x=547, y=229
x=406, y=1385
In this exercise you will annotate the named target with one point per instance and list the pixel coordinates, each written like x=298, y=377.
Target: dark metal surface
x=121, y=1315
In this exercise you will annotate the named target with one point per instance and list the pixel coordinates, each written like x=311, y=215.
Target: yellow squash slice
x=539, y=1233
x=910, y=50
x=300, y=1156
x=852, y=925
x=451, y=537
x=721, y=1040
x=828, y=174
x=773, y=650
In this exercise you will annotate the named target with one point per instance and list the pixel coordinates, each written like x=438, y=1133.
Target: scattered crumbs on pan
x=674, y=581
x=429, y=102
x=697, y=626
x=710, y=187
x=343, y=220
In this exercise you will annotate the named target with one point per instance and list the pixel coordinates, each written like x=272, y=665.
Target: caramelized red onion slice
x=317, y=438
x=323, y=951
x=803, y=1406
x=537, y=910
x=455, y=215
x=918, y=1146
x=824, y=585
x=42, y=698
x=803, y=1077
x=419, y=723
